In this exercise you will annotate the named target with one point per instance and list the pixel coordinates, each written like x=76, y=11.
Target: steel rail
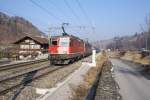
x=54, y=68
x=22, y=64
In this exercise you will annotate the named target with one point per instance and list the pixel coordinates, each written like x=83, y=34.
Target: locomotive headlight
x=65, y=52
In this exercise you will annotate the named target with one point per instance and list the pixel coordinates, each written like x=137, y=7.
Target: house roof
x=41, y=40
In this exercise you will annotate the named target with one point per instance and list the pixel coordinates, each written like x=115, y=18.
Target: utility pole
x=146, y=43
x=49, y=39
x=49, y=43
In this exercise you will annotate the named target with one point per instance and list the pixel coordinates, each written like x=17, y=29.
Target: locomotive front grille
x=63, y=56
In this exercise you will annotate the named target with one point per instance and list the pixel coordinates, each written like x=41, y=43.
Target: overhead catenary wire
x=72, y=11
x=57, y=8
x=52, y=14
x=55, y=5
x=84, y=12
x=45, y=10
x=86, y=15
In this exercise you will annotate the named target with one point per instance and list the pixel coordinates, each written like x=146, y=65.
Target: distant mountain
x=13, y=28
x=134, y=42
x=102, y=44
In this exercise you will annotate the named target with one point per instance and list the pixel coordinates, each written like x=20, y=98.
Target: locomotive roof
x=72, y=36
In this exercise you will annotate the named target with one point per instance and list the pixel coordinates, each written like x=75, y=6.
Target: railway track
x=9, y=83
x=14, y=82
x=12, y=69
x=22, y=64
x=19, y=70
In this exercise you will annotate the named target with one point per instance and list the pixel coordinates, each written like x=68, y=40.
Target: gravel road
x=133, y=85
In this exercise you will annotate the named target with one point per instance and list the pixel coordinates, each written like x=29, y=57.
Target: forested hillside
x=134, y=42
x=12, y=28
x=137, y=41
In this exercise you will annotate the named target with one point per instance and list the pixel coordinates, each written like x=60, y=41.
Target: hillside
x=134, y=42
x=12, y=28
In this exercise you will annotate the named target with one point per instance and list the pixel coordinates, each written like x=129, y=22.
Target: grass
x=136, y=57
x=114, y=54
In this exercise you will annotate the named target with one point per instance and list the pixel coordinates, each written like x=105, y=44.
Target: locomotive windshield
x=54, y=42
x=64, y=42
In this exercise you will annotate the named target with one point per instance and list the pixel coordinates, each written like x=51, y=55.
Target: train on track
x=67, y=48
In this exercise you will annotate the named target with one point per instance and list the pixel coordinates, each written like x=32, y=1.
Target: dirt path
x=133, y=85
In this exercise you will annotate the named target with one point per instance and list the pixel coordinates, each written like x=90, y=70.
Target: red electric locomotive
x=67, y=48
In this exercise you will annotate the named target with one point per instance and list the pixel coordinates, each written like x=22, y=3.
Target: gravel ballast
x=28, y=92
x=107, y=88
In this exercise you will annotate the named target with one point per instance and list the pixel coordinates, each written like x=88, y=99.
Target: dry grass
x=81, y=91
x=145, y=60
x=114, y=54
x=131, y=55
x=136, y=57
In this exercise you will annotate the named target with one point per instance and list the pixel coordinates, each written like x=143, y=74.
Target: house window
x=24, y=46
x=32, y=47
x=32, y=42
x=27, y=41
x=37, y=46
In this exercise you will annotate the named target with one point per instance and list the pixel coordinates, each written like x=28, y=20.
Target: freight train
x=67, y=49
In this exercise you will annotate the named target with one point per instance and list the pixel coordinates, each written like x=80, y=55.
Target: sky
x=92, y=19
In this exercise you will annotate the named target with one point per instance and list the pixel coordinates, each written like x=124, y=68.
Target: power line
x=45, y=10
x=58, y=8
x=68, y=18
x=84, y=12
x=72, y=11
x=86, y=16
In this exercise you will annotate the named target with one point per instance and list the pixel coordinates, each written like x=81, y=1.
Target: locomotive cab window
x=54, y=42
x=64, y=42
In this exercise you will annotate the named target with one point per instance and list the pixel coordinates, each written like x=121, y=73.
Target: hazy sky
x=109, y=17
